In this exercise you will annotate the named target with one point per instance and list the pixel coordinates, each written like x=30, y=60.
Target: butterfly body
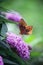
x=24, y=28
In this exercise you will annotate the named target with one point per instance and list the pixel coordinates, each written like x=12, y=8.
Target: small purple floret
x=1, y=61
x=13, y=16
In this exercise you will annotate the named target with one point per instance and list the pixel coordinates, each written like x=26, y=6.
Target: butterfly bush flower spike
x=12, y=15
x=1, y=61
x=22, y=48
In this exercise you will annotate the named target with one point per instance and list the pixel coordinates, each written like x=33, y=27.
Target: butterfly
x=24, y=28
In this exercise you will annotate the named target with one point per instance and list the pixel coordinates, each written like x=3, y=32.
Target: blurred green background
x=32, y=12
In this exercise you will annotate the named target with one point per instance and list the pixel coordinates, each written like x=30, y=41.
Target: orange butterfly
x=24, y=28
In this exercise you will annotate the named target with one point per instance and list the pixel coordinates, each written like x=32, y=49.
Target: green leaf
x=7, y=61
x=0, y=27
x=4, y=29
x=4, y=44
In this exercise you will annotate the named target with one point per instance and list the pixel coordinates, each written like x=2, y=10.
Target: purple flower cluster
x=22, y=48
x=12, y=15
x=1, y=61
